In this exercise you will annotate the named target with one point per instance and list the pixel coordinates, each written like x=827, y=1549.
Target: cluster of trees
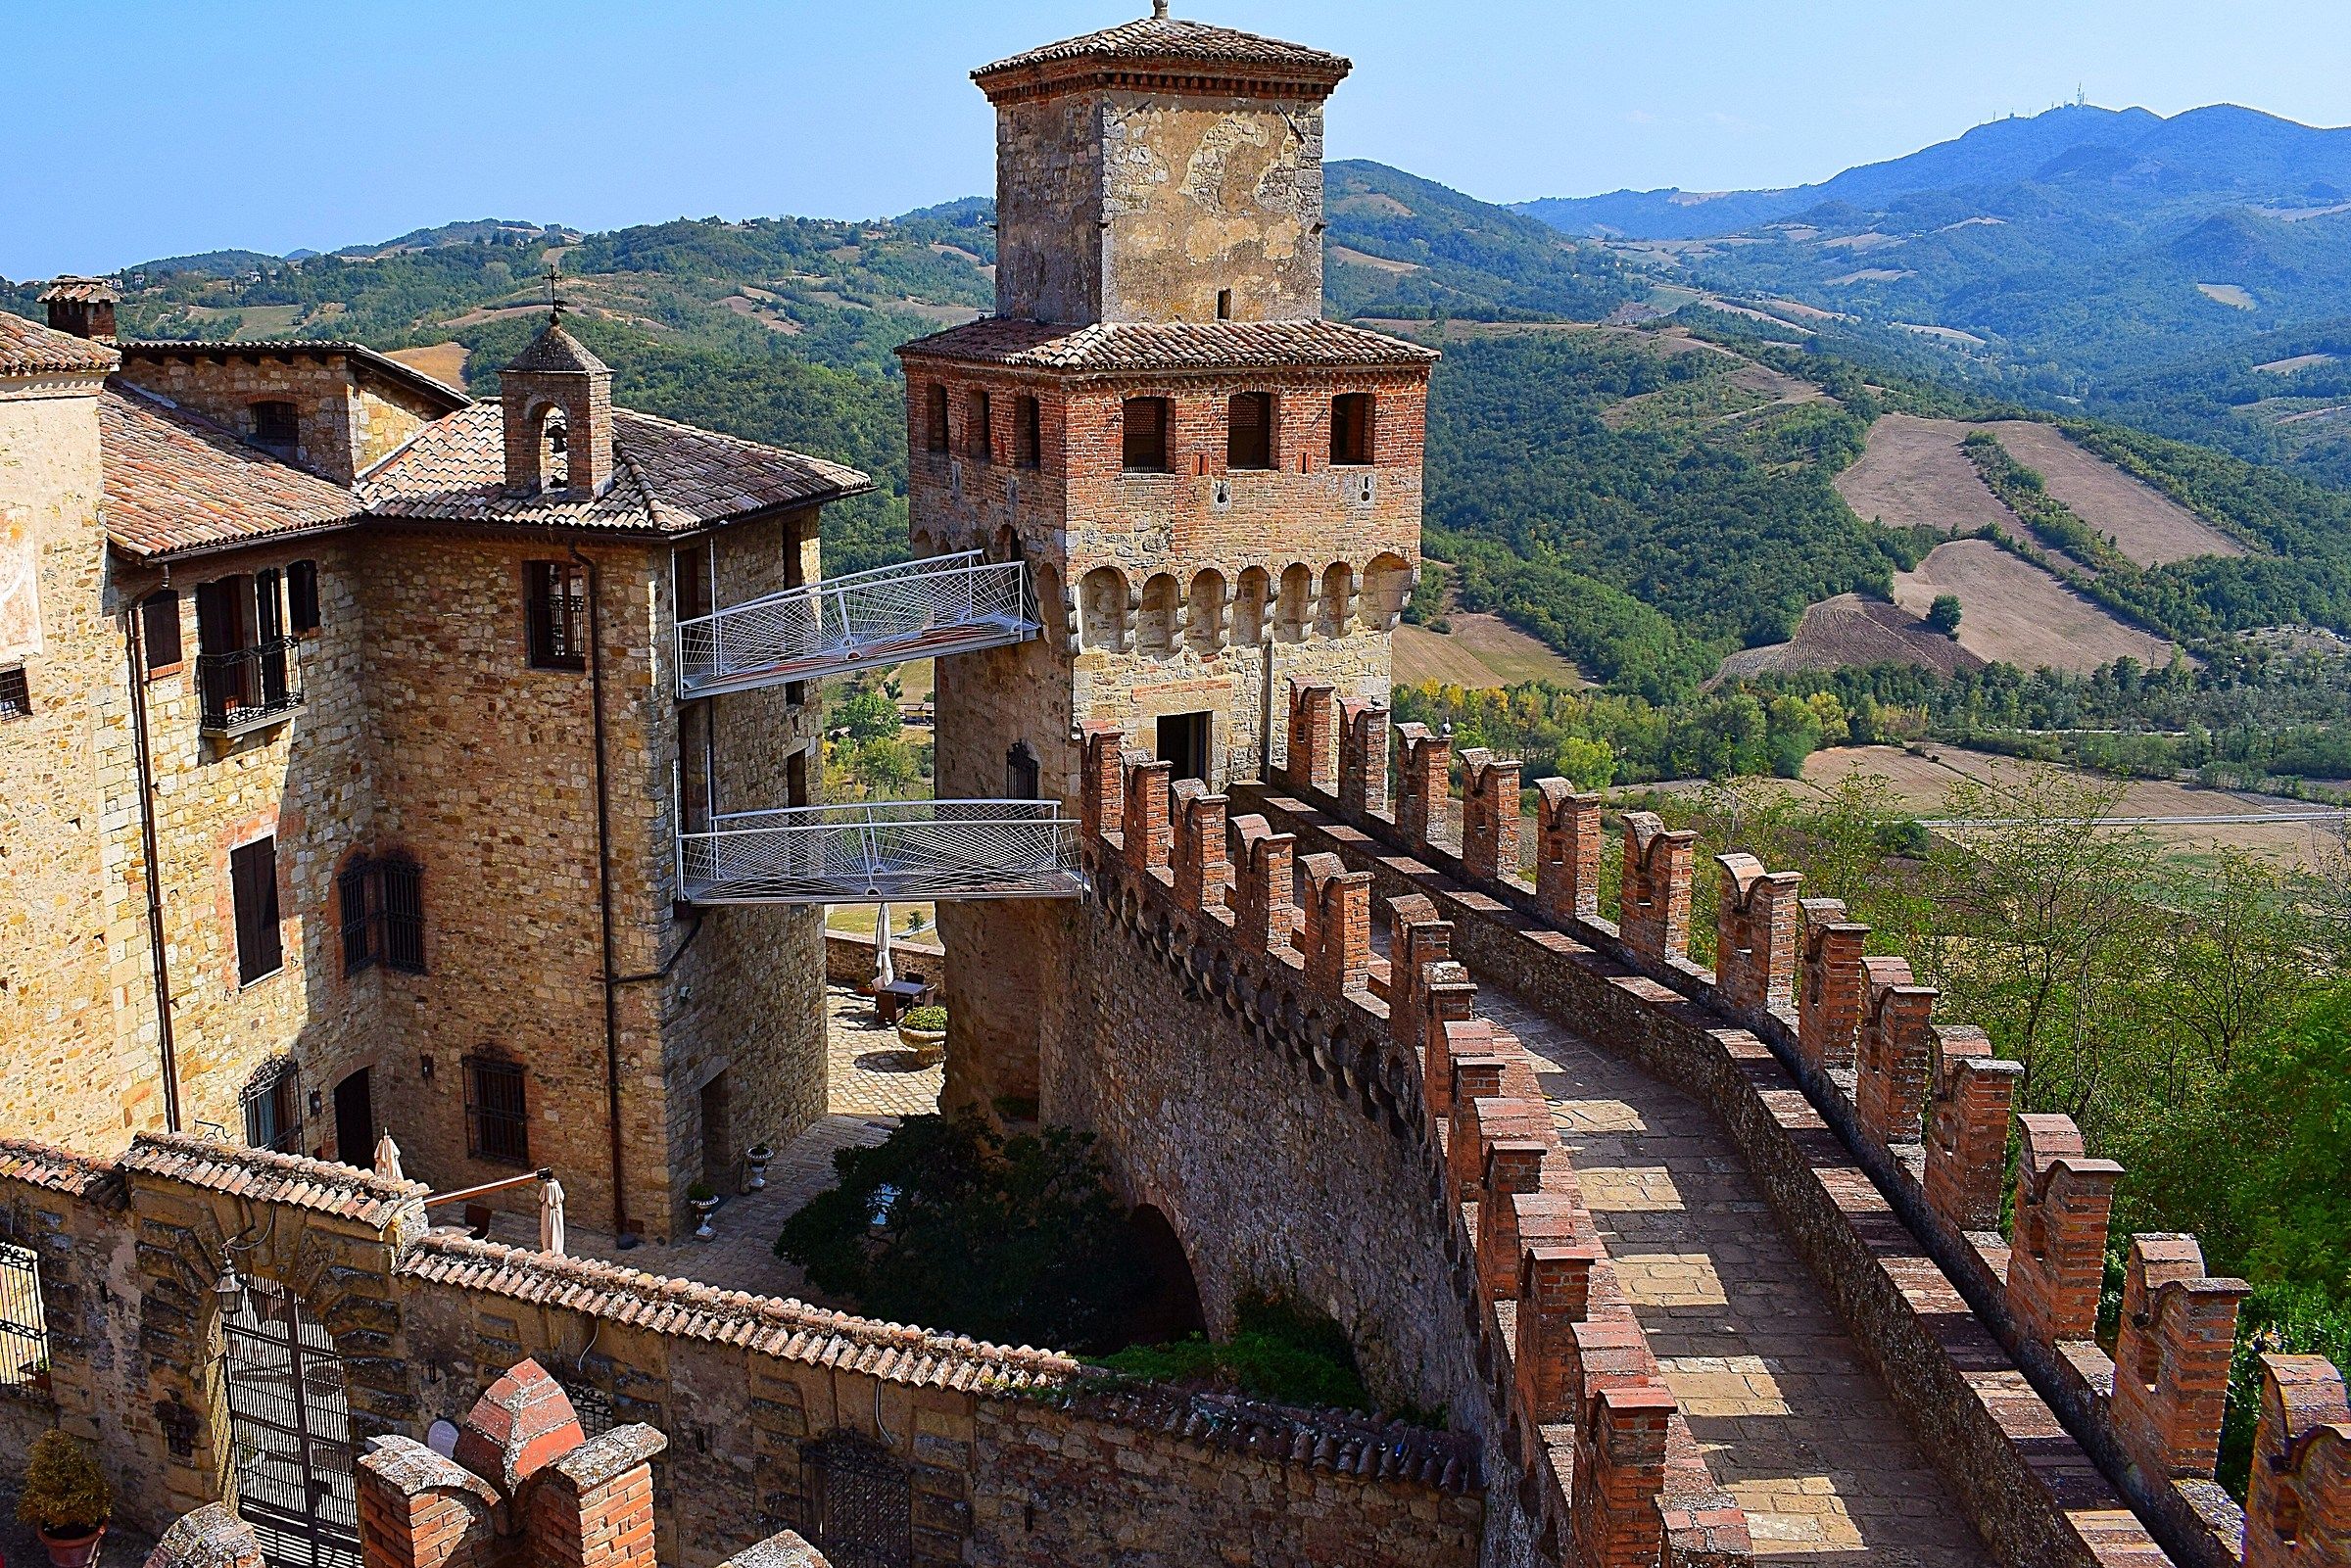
x=867, y=756
x=2193, y=1016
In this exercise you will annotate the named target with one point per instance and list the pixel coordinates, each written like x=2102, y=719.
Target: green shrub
x=931, y=1016
x=1281, y=1350
x=65, y=1491
x=1944, y=614
x=945, y=1222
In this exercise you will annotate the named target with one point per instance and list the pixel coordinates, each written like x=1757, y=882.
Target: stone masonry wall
x=65, y=950
x=346, y=419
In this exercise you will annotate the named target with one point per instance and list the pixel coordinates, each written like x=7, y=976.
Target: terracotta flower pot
x=68, y=1551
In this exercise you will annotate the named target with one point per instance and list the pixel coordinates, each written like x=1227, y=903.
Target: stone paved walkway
x=1793, y=1422
x=871, y=1085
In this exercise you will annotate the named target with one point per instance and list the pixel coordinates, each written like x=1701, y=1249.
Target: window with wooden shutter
x=253, y=889
x=1143, y=446
x=301, y=596
x=1249, y=431
x=1351, y=428
x=158, y=631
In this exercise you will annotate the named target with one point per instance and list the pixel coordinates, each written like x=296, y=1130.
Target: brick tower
x=1217, y=491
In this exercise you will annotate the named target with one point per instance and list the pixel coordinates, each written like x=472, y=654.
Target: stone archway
x=1171, y=1309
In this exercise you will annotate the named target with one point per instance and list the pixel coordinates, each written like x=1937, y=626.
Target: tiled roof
x=266, y=1177
x=1168, y=345
x=1334, y=1442
x=28, y=348
x=175, y=482
x=771, y=1325
x=555, y=349
x=382, y=365
x=81, y=291
x=1156, y=39
x=669, y=478
x=58, y=1169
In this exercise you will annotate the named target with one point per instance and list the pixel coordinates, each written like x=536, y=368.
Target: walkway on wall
x=1795, y=1423
x=904, y=851
x=915, y=610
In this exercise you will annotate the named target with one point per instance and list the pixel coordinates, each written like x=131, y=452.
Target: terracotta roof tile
x=268, y=1176
x=1169, y=39
x=175, y=482
x=669, y=477
x=81, y=291
x=1141, y=346
x=28, y=348
x=57, y=1169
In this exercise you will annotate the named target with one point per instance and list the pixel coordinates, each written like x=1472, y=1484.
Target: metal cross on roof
x=555, y=302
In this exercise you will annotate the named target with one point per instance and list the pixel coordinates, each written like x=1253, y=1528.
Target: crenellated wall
x=2061, y=1452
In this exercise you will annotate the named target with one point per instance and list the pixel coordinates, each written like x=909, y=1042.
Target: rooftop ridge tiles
x=1161, y=37
x=266, y=1175
x=57, y=1169
x=29, y=349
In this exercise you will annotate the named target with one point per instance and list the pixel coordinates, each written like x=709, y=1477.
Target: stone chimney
x=558, y=416
x=83, y=307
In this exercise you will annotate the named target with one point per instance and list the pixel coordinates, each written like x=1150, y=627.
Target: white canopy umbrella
x=885, y=972
x=550, y=1216
x=387, y=1158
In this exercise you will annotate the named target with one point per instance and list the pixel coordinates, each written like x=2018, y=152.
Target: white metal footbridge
x=883, y=852
x=920, y=609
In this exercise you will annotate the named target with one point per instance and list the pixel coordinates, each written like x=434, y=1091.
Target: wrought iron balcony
x=940, y=604
x=883, y=852
x=249, y=689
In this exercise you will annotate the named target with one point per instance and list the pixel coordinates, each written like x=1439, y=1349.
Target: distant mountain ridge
x=2223, y=150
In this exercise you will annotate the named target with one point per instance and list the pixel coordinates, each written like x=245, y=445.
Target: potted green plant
x=703, y=1201
x=924, y=1032
x=66, y=1500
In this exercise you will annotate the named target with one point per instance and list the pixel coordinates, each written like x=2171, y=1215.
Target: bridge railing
x=883, y=851
x=916, y=609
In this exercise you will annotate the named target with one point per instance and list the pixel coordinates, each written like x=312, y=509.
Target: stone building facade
x=1215, y=488
x=356, y=761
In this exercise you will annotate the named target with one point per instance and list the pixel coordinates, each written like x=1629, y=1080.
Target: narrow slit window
x=1351, y=428
x=1224, y=305
x=1249, y=431
x=1027, y=441
x=978, y=436
x=1144, y=442
x=936, y=409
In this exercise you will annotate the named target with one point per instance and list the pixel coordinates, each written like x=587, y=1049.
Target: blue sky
x=151, y=128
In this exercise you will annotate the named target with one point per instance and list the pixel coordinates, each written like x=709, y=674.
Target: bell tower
x=1216, y=489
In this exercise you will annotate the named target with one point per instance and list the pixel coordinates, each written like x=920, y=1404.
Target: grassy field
x=1480, y=651
x=2012, y=611
x=860, y=918
x=1852, y=630
x=2144, y=524
x=1913, y=474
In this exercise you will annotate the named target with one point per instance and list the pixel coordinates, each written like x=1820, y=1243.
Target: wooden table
x=899, y=996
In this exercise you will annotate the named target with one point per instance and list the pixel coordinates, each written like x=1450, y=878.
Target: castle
x=468, y=801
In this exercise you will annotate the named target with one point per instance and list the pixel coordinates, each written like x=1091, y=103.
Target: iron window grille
x=557, y=604
x=249, y=686
x=498, y=1125
x=383, y=913
x=273, y=1112
x=24, y=1318
x=275, y=424
x=16, y=695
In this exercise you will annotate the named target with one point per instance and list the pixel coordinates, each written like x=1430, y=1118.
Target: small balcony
x=919, y=609
x=249, y=689
x=883, y=852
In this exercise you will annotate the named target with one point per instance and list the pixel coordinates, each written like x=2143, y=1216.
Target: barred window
x=275, y=424
x=497, y=1121
x=16, y=693
x=557, y=604
x=24, y=1318
x=383, y=913
x=273, y=1111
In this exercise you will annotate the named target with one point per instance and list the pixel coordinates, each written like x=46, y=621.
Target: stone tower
x=1217, y=491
